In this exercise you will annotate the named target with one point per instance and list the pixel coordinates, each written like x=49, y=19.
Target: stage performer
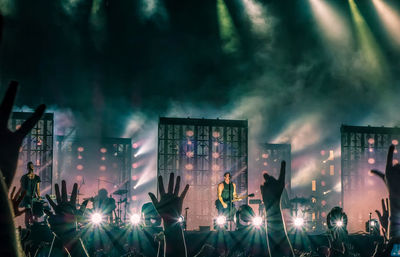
x=226, y=195
x=30, y=183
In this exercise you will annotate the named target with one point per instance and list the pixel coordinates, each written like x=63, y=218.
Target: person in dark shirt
x=105, y=204
x=226, y=195
x=30, y=183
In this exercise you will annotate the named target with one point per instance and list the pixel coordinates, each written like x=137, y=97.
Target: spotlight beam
x=390, y=19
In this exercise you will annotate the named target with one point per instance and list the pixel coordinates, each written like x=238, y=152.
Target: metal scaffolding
x=37, y=147
x=363, y=149
x=201, y=151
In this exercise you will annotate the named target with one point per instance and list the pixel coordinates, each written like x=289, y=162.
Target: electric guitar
x=219, y=206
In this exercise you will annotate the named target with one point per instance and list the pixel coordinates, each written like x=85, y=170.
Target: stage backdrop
x=201, y=151
x=363, y=149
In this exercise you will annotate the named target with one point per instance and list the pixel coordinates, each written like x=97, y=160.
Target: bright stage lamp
x=181, y=219
x=96, y=218
x=135, y=219
x=298, y=222
x=339, y=223
x=221, y=220
x=257, y=221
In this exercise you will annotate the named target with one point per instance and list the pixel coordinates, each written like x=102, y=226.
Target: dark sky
x=104, y=62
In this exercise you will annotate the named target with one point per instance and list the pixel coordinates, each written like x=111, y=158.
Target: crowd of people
x=63, y=217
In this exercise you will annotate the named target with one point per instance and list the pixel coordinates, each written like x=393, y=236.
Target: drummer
x=104, y=204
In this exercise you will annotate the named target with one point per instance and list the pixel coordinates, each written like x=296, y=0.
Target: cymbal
x=120, y=192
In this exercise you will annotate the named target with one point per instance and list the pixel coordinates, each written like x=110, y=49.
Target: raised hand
x=64, y=222
x=272, y=189
x=384, y=216
x=11, y=141
x=170, y=204
x=391, y=177
x=16, y=200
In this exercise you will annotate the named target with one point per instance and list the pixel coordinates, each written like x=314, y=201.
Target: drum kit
x=118, y=213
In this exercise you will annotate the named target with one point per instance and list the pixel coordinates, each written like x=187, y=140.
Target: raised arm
x=169, y=206
x=391, y=178
x=277, y=240
x=63, y=222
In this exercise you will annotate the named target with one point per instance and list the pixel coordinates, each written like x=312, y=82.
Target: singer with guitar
x=226, y=196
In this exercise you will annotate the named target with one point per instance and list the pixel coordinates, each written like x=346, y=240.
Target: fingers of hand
x=379, y=214
x=177, y=185
x=12, y=193
x=185, y=191
x=161, y=185
x=64, y=194
x=378, y=173
x=27, y=126
x=389, y=162
x=52, y=204
x=7, y=103
x=153, y=199
x=21, y=196
x=74, y=194
x=171, y=183
x=283, y=172
x=58, y=195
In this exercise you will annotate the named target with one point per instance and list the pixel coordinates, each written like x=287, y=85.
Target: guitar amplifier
x=255, y=201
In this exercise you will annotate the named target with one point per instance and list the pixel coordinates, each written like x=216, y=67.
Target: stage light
x=374, y=61
x=135, y=219
x=372, y=226
x=257, y=221
x=339, y=224
x=390, y=17
x=221, y=220
x=96, y=218
x=371, y=160
x=181, y=219
x=103, y=150
x=298, y=222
